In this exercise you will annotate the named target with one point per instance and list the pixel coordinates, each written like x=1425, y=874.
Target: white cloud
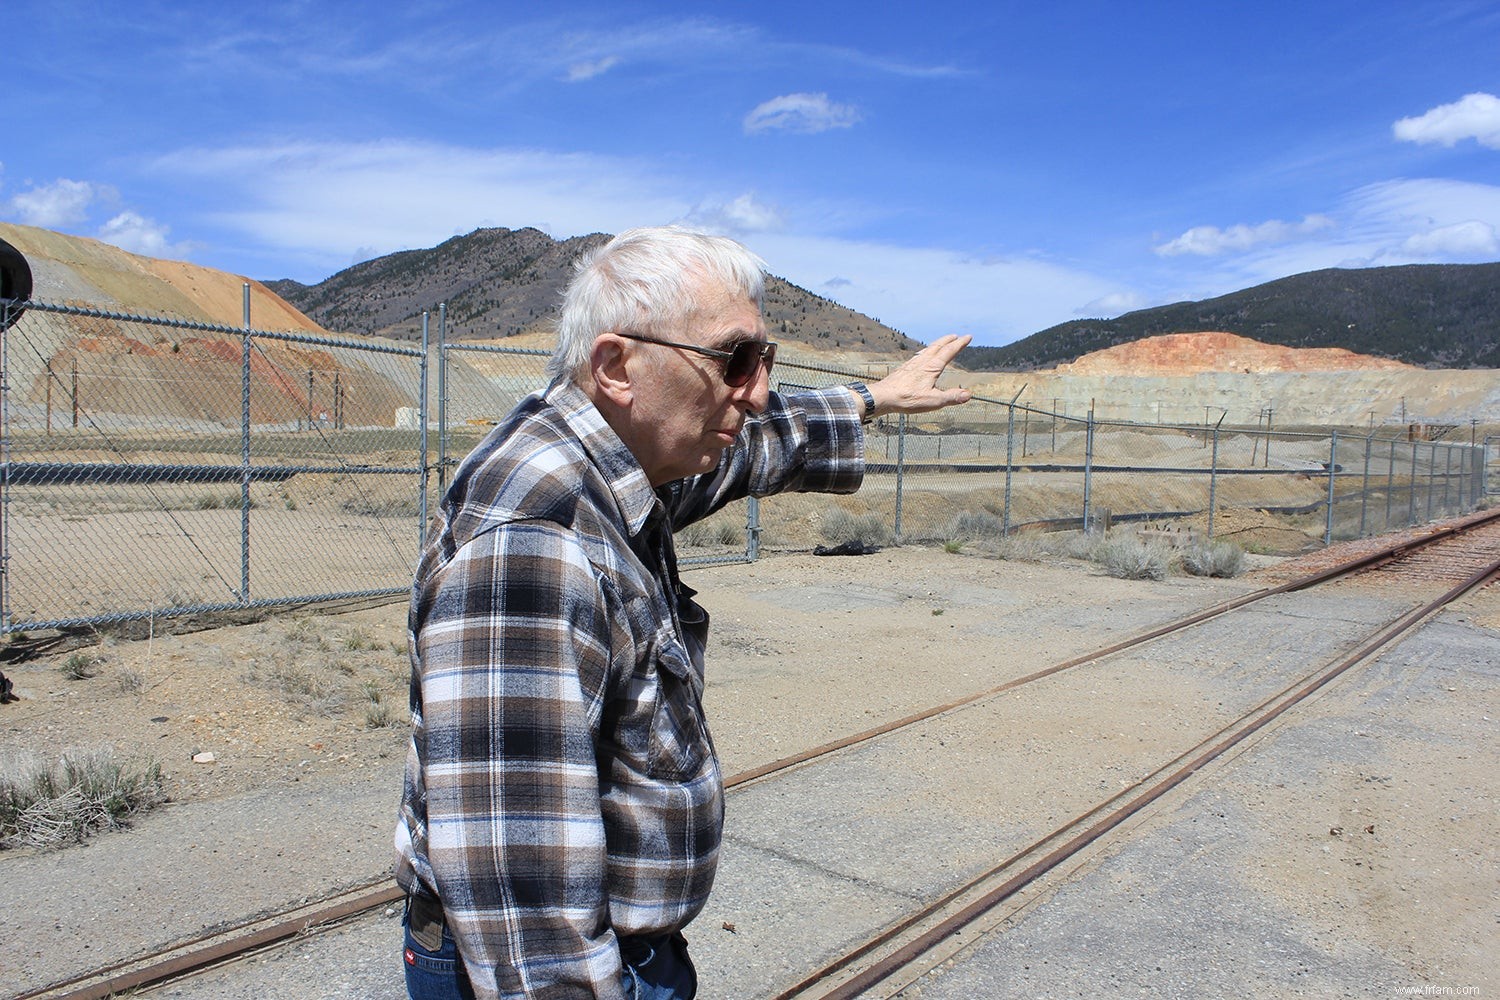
x=1420, y=221
x=61, y=203
x=588, y=70
x=138, y=234
x=317, y=202
x=805, y=113
x=1474, y=116
x=1425, y=220
x=1210, y=241
x=927, y=291
x=1111, y=305
x=1463, y=239
x=740, y=217
x=1425, y=202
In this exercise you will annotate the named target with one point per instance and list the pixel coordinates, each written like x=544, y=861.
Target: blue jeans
x=655, y=969
x=658, y=968
x=434, y=975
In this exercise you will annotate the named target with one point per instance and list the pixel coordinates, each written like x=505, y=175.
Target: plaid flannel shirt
x=561, y=787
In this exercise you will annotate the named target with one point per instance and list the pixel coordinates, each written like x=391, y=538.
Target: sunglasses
x=740, y=363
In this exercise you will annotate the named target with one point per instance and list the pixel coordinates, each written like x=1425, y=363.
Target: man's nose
x=755, y=395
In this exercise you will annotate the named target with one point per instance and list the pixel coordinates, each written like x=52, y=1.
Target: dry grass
x=80, y=666
x=327, y=671
x=47, y=805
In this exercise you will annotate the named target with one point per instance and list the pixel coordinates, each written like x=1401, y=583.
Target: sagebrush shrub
x=1131, y=558
x=85, y=791
x=839, y=526
x=1210, y=558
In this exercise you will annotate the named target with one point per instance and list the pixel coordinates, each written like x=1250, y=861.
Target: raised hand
x=913, y=388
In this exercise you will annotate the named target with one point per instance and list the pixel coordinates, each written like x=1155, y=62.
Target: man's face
x=683, y=415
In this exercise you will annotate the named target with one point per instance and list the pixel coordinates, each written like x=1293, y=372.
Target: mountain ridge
x=1429, y=315
x=498, y=283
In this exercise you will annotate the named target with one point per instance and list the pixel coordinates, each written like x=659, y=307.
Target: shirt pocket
x=678, y=746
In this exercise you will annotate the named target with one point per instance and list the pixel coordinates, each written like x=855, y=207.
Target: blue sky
x=989, y=169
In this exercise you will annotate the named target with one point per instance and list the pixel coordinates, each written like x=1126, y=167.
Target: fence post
x=245, y=454
x=1447, y=476
x=1213, y=478
x=422, y=462
x=1270, y=410
x=752, y=529
x=5, y=322
x=1364, y=484
x=442, y=357
x=1390, y=480
x=1481, y=472
x=1010, y=449
x=900, y=471
x=1088, y=473
x=1412, y=504
x=1431, y=476
x=1010, y=444
x=1483, y=458
x=1470, y=500
x=1333, y=453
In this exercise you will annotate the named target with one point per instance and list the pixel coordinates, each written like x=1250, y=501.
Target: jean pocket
x=434, y=975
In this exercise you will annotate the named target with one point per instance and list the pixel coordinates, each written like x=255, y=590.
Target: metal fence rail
x=152, y=467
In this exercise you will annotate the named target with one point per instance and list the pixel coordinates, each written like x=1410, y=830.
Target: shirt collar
x=626, y=479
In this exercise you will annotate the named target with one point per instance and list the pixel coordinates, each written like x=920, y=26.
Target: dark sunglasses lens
x=745, y=360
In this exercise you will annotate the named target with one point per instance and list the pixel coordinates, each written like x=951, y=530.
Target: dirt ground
x=303, y=696
x=271, y=701
x=230, y=709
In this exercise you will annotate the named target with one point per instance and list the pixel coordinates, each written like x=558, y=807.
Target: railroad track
x=882, y=966
x=1455, y=559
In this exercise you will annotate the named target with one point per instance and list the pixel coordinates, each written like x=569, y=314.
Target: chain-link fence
x=155, y=467
x=994, y=467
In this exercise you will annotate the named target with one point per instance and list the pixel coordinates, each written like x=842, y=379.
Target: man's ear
x=611, y=374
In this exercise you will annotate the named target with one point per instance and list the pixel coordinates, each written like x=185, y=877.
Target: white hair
x=651, y=281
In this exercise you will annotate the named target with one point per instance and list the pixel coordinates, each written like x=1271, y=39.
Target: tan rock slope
x=79, y=270
x=190, y=377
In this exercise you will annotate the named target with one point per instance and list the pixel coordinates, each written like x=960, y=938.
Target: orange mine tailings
x=1191, y=353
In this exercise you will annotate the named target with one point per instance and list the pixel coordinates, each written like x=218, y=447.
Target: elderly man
x=563, y=806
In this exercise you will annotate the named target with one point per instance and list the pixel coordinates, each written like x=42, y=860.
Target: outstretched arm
x=913, y=388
